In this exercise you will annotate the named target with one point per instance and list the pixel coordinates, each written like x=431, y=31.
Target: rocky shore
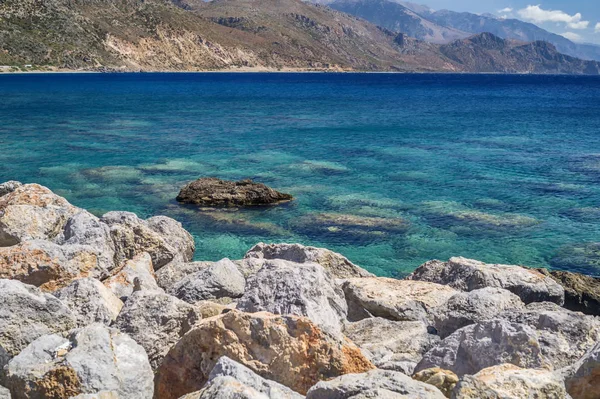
x=114, y=307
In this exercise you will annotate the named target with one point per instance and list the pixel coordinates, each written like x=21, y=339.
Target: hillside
x=192, y=35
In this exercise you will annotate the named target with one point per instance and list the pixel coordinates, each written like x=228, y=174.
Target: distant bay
x=391, y=170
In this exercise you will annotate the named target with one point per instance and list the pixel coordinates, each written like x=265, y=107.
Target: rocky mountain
x=192, y=35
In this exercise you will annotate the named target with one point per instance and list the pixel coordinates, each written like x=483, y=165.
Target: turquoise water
x=390, y=170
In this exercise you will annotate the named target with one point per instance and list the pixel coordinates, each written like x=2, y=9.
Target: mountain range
x=192, y=35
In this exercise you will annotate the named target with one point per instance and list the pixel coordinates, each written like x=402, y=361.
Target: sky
x=578, y=20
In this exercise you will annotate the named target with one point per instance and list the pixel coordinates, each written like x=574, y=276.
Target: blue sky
x=579, y=20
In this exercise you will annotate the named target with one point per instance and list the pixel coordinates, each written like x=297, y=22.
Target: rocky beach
x=115, y=307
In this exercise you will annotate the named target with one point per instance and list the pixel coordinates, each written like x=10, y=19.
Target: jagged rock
x=137, y=269
x=478, y=346
x=9, y=186
x=26, y=313
x=474, y=306
x=444, y=380
x=4, y=393
x=582, y=293
x=174, y=272
x=287, y=349
x=210, y=191
x=392, y=345
x=508, y=381
x=288, y=288
x=90, y=301
x=220, y=280
x=564, y=336
x=48, y=265
x=32, y=212
x=401, y=300
x=335, y=264
x=582, y=382
x=468, y=275
x=156, y=321
x=231, y=380
x=83, y=228
x=90, y=359
x=373, y=384
x=165, y=241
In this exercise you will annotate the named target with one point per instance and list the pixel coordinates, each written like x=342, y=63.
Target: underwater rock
x=468, y=275
x=290, y=350
x=211, y=191
x=584, y=257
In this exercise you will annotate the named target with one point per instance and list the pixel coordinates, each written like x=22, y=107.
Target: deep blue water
x=390, y=170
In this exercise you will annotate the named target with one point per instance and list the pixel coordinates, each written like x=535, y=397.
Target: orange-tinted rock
x=287, y=349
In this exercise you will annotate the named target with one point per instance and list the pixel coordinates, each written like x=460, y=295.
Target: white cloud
x=572, y=36
x=539, y=15
x=505, y=10
x=597, y=29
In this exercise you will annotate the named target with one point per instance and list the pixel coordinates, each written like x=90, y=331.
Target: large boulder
x=287, y=349
x=392, y=345
x=335, y=264
x=508, y=381
x=165, y=240
x=468, y=275
x=374, y=384
x=478, y=346
x=288, y=288
x=219, y=280
x=174, y=272
x=156, y=321
x=444, y=380
x=402, y=300
x=210, y=191
x=26, y=314
x=32, y=212
x=4, y=393
x=583, y=382
x=564, y=336
x=9, y=186
x=89, y=360
x=474, y=306
x=582, y=293
x=231, y=380
x=48, y=265
x=138, y=271
x=90, y=301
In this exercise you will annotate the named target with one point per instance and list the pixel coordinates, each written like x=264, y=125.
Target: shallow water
x=390, y=170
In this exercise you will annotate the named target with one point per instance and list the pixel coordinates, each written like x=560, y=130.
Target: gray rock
x=401, y=300
x=220, y=280
x=582, y=380
x=174, y=272
x=373, y=384
x=335, y=264
x=26, y=314
x=91, y=359
x=32, y=212
x=564, y=336
x=231, y=380
x=9, y=187
x=137, y=270
x=98, y=395
x=287, y=288
x=165, y=241
x=486, y=344
x=4, y=392
x=392, y=345
x=83, y=228
x=471, y=307
x=90, y=301
x=508, y=381
x=468, y=275
x=156, y=321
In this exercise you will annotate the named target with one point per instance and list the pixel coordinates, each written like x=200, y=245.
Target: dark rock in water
x=580, y=257
x=582, y=293
x=210, y=191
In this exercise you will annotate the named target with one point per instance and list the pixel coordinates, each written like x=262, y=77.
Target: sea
x=390, y=170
